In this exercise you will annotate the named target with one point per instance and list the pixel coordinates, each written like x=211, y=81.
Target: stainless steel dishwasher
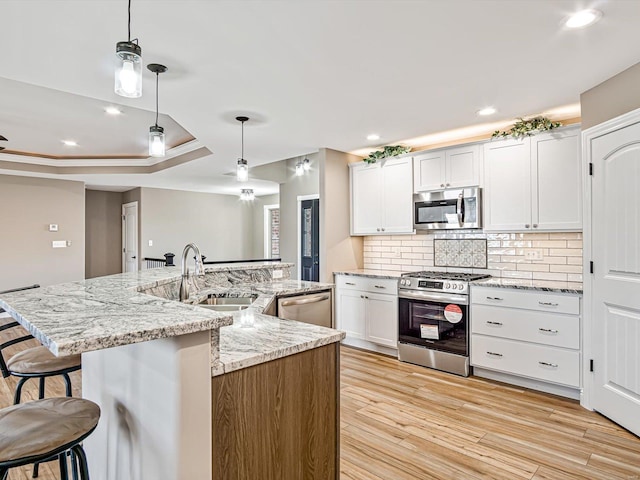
x=315, y=308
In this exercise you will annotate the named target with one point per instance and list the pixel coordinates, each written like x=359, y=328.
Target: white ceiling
x=313, y=73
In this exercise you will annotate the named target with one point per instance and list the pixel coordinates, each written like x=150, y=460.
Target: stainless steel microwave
x=448, y=209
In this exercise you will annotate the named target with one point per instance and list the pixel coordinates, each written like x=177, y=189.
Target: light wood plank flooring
x=400, y=421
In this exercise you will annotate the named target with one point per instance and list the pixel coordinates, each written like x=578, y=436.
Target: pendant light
x=242, y=172
x=299, y=168
x=247, y=194
x=306, y=164
x=156, y=132
x=129, y=69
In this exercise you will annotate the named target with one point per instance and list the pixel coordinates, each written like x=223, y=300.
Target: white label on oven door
x=453, y=313
x=429, y=331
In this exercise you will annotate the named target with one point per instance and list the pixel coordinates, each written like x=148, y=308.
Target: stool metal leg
x=74, y=465
x=36, y=470
x=4, y=473
x=64, y=475
x=67, y=382
x=18, y=394
x=82, y=460
x=41, y=390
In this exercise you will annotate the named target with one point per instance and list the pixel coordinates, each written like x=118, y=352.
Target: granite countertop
x=363, y=272
x=254, y=337
x=540, y=285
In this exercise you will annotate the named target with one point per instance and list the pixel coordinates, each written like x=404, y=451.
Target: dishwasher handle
x=306, y=300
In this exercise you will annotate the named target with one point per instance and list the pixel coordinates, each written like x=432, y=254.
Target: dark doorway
x=310, y=240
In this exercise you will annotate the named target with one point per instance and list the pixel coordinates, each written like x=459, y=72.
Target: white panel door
x=429, y=171
x=382, y=319
x=616, y=279
x=397, y=196
x=463, y=167
x=556, y=181
x=366, y=191
x=350, y=313
x=130, y=237
x=507, y=178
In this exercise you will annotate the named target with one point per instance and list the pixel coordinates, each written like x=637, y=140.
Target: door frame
x=302, y=198
x=588, y=337
x=267, y=228
x=124, y=239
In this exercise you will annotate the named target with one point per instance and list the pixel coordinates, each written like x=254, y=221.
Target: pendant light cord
x=157, y=86
x=129, y=23
x=242, y=142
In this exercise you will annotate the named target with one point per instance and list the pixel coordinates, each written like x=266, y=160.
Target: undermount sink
x=227, y=304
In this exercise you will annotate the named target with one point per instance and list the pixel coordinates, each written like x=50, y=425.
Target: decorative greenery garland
x=527, y=128
x=388, y=151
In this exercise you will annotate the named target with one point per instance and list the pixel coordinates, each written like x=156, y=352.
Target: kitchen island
x=183, y=392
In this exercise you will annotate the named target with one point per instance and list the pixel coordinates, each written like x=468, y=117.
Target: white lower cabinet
x=530, y=338
x=367, y=310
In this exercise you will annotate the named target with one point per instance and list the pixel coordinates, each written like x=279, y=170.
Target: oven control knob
x=407, y=283
x=403, y=282
x=454, y=286
x=447, y=285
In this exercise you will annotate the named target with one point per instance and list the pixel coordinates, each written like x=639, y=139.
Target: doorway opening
x=309, y=238
x=272, y=231
x=130, y=237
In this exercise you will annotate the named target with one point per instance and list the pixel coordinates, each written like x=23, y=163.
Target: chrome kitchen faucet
x=184, y=283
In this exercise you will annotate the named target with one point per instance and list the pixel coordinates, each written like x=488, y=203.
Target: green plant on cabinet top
x=386, y=152
x=527, y=128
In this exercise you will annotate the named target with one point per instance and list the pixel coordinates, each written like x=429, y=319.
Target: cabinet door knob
x=377, y=229
x=526, y=225
x=535, y=225
x=442, y=185
x=448, y=184
x=382, y=229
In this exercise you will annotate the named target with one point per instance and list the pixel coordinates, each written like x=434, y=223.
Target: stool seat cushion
x=43, y=426
x=39, y=360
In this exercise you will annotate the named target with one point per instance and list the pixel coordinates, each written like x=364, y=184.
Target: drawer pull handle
x=548, y=304
x=494, y=323
x=548, y=330
x=494, y=354
x=547, y=364
x=349, y=283
x=495, y=298
x=379, y=286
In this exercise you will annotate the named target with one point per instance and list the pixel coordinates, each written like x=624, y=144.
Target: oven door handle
x=434, y=297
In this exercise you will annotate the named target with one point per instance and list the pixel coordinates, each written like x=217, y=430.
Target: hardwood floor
x=400, y=421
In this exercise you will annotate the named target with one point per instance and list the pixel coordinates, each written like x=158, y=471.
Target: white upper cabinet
x=451, y=168
x=381, y=197
x=534, y=183
x=556, y=172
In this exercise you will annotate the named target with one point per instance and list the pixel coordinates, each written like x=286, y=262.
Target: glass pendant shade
x=299, y=169
x=156, y=141
x=242, y=172
x=128, y=78
x=306, y=164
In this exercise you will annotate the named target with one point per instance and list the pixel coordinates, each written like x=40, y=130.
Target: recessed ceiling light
x=583, y=18
x=486, y=111
x=112, y=111
x=70, y=143
x=373, y=136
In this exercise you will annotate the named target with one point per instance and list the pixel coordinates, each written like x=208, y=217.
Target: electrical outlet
x=533, y=254
x=59, y=244
x=277, y=274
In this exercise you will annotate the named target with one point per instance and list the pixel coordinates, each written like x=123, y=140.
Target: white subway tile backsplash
x=562, y=254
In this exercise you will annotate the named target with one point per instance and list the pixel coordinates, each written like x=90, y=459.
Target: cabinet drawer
x=550, y=364
x=527, y=325
x=530, y=300
x=367, y=284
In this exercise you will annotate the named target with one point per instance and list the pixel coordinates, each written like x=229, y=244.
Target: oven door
x=438, y=321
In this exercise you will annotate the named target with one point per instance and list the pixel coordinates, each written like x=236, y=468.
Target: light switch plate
x=53, y=227
x=277, y=274
x=151, y=243
x=59, y=244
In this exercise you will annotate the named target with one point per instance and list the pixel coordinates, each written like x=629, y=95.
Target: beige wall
x=257, y=250
x=338, y=250
x=307, y=184
x=27, y=207
x=103, y=226
x=221, y=225
x=612, y=98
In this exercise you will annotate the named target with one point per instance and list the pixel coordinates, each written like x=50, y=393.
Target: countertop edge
x=515, y=285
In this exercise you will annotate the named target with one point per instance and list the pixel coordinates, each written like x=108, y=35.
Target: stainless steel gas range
x=433, y=318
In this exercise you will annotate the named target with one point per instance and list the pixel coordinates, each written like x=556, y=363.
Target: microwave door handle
x=460, y=209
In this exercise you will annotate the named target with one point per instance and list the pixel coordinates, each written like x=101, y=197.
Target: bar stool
x=40, y=363
x=42, y=430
